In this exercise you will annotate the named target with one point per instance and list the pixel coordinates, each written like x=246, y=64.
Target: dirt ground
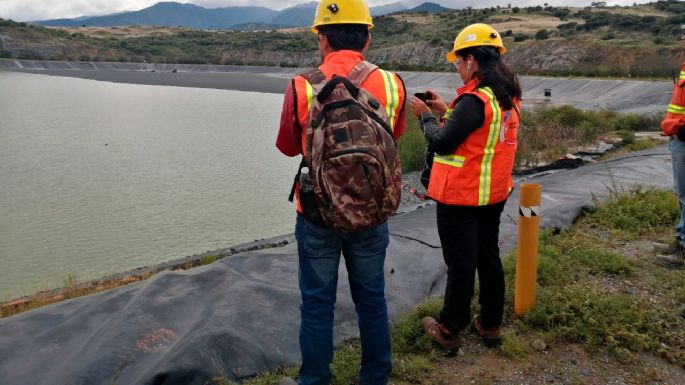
x=528, y=23
x=565, y=364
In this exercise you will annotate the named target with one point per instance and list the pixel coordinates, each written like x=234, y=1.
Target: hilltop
x=635, y=41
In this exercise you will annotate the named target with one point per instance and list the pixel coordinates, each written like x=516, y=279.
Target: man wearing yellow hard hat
x=342, y=30
x=474, y=142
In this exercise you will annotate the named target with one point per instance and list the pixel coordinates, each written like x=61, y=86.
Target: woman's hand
x=417, y=106
x=436, y=103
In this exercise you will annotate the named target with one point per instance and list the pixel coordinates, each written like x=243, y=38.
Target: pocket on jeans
x=317, y=240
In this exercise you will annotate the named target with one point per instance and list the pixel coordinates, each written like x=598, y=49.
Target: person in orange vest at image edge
x=673, y=126
x=474, y=141
x=342, y=29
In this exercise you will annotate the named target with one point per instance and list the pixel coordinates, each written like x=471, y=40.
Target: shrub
x=635, y=122
x=567, y=26
x=627, y=137
x=542, y=34
x=521, y=37
x=636, y=212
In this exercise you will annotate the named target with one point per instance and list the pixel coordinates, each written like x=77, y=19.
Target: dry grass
x=522, y=23
x=134, y=31
x=640, y=10
x=73, y=288
x=416, y=18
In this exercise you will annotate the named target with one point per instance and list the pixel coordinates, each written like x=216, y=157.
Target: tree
x=516, y=9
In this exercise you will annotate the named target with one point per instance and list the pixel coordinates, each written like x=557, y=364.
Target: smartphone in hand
x=424, y=96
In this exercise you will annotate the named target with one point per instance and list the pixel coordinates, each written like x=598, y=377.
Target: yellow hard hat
x=476, y=35
x=341, y=12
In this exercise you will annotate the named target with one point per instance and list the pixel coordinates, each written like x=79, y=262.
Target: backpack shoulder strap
x=315, y=78
x=360, y=72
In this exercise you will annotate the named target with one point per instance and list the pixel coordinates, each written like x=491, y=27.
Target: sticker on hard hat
x=471, y=37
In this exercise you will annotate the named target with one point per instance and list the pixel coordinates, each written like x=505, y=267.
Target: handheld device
x=423, y=96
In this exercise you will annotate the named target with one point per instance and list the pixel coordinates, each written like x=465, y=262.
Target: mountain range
x=173, y=14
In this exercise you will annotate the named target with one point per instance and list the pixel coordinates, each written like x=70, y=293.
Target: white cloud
x=23, y=10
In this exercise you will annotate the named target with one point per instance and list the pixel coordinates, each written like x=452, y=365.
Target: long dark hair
x=494, y=73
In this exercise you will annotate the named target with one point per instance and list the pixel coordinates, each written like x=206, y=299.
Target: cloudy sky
x=24, y=10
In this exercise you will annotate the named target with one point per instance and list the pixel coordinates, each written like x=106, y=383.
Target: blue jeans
x=319, y=251
x=677, y=149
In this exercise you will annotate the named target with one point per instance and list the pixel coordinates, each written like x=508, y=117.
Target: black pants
x=469, y=236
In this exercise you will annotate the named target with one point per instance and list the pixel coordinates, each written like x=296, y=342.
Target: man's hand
x=681, y=133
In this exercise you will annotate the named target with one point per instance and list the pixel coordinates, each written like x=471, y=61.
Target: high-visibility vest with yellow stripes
x=675, y=116
x=385, y=86
x=478, y=173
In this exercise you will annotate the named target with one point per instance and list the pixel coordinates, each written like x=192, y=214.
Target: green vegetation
x=636, y=212
x=583, y=275
x=411, y=145
x=542, y=34
x=550, y=132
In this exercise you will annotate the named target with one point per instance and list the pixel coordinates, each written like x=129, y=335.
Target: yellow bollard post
x=527, y=256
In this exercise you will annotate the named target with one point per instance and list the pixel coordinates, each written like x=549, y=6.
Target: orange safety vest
x=385, y=86
x=478, y=173
x=675, y=116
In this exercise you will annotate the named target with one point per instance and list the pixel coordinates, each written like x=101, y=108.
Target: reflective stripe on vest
x=682, y=75
x=489, y=151
x=310, y=95
x=450, y=160
x=676, y=109
x=392, y=92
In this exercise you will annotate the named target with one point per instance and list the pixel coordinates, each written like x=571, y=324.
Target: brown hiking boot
x=668, y=248
x=672, y=261
x=671, y=256
x=440, y=334
x=492, y=337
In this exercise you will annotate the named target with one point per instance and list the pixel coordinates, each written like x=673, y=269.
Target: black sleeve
x=468, y=115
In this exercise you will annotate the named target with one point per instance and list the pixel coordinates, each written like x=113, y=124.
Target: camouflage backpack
x=351, y=154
